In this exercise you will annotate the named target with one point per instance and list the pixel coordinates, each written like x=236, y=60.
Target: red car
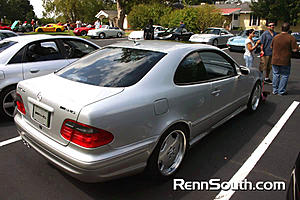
x=2, y=27
x=83, y=30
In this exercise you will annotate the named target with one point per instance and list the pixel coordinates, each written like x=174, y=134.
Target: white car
x=6, y=34
x=105, y=32
x=25, y=57
x=139, y=35
x=212, y=36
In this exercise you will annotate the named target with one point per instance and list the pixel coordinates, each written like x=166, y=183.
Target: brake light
x=20, y=104
x=85, y=135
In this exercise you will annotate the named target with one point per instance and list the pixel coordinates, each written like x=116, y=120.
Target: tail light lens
x=84, y=135
x=20, y=104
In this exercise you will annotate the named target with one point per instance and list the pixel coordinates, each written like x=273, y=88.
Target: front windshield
x=211, y=31
x=112, y=67
x=6, y=44
x=242, y=34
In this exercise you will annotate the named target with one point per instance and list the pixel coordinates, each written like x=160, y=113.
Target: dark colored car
x=175, y=34
x=83, y=30
x=297, y=36
x=23, y=28
x=293, y=191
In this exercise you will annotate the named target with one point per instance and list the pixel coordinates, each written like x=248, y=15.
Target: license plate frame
x=41, y=115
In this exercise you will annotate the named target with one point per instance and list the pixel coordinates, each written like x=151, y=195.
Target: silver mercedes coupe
x=130, y=107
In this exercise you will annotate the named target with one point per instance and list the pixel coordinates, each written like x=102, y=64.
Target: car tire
x=255, y=98
x=83, y=33
x=101, y=35
x=27, y=30
x=58, y=30
x=170, y=151
x=40, y=30
x=7, y=102
x=119, y=35
x=215, y=42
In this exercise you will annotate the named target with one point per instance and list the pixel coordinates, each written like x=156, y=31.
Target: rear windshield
x=112, y=67
x=6, y=44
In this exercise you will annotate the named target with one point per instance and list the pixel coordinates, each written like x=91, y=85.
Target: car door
x=194, y=93
x=75, y=48
x=41, y=58
x=227, y=93
x=224, y=37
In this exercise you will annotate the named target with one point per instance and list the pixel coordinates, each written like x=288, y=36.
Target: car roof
x=35, y=37
x=6, y=31
x=162, y=46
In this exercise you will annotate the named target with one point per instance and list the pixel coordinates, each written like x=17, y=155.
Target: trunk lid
x=51, y=99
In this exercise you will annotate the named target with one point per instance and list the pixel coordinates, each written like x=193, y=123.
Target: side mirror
x=244, y=70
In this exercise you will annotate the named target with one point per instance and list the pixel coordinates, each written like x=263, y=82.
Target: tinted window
x=18, y=57
x=112, y=67
x=212, y=31
x=217, y=65
x=190, y=70
x=42, y=51
x=77, y=49
x=6, y=44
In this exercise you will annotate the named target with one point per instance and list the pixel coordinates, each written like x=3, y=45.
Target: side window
x=42, y=51
x=224, y=33
x=191, y=70
x=77, y=49
x=18, y=57
x=217, y=65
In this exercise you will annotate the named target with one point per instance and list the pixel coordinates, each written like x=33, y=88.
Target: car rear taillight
x=85, y=135
x=20, y=104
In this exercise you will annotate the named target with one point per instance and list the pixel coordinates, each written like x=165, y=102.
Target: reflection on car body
x=135, y=107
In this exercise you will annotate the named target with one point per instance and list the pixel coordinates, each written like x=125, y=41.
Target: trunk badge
x=39, y=96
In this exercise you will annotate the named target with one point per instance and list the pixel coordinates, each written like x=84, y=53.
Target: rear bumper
x=115, y=164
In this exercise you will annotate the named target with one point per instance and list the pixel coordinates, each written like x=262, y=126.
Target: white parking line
x=243, y=172
x=12, y=140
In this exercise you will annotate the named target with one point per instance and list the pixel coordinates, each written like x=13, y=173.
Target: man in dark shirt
x=266, y=51
x=149, y=31
x=283, y=45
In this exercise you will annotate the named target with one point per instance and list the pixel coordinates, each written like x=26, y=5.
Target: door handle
x=34, y=70
x=216, y=93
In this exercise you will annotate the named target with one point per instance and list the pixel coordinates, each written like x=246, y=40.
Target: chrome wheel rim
x=119, y=35
x=171, y=152
x=9, y=103
x=102, y=36
x=256, y=97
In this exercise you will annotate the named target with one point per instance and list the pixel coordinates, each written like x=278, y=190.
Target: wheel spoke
x=8, y=105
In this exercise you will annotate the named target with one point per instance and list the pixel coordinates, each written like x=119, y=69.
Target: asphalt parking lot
x=24, y=174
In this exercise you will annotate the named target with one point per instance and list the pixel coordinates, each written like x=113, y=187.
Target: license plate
x=41, y=115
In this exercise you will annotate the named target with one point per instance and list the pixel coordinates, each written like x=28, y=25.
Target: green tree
x=16, y=9
x=140, y=14
x=84, y=10
x=196, y=19
x=273, y=10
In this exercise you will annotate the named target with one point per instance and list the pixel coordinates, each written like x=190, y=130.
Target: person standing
x=249, y=48
x=266, y=52
x=182, y=25
x=283, y=45
x=149, y=31
x=97, y=24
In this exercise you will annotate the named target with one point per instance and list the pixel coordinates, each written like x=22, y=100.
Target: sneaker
x=268, y=81
x=274, y=93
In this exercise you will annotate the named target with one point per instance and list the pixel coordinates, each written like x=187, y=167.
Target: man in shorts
x=266, y=52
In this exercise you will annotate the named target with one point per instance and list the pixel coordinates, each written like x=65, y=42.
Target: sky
x=37, y=7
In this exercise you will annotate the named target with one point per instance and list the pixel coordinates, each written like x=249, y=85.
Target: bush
x=140, y=14
x=196, y=19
